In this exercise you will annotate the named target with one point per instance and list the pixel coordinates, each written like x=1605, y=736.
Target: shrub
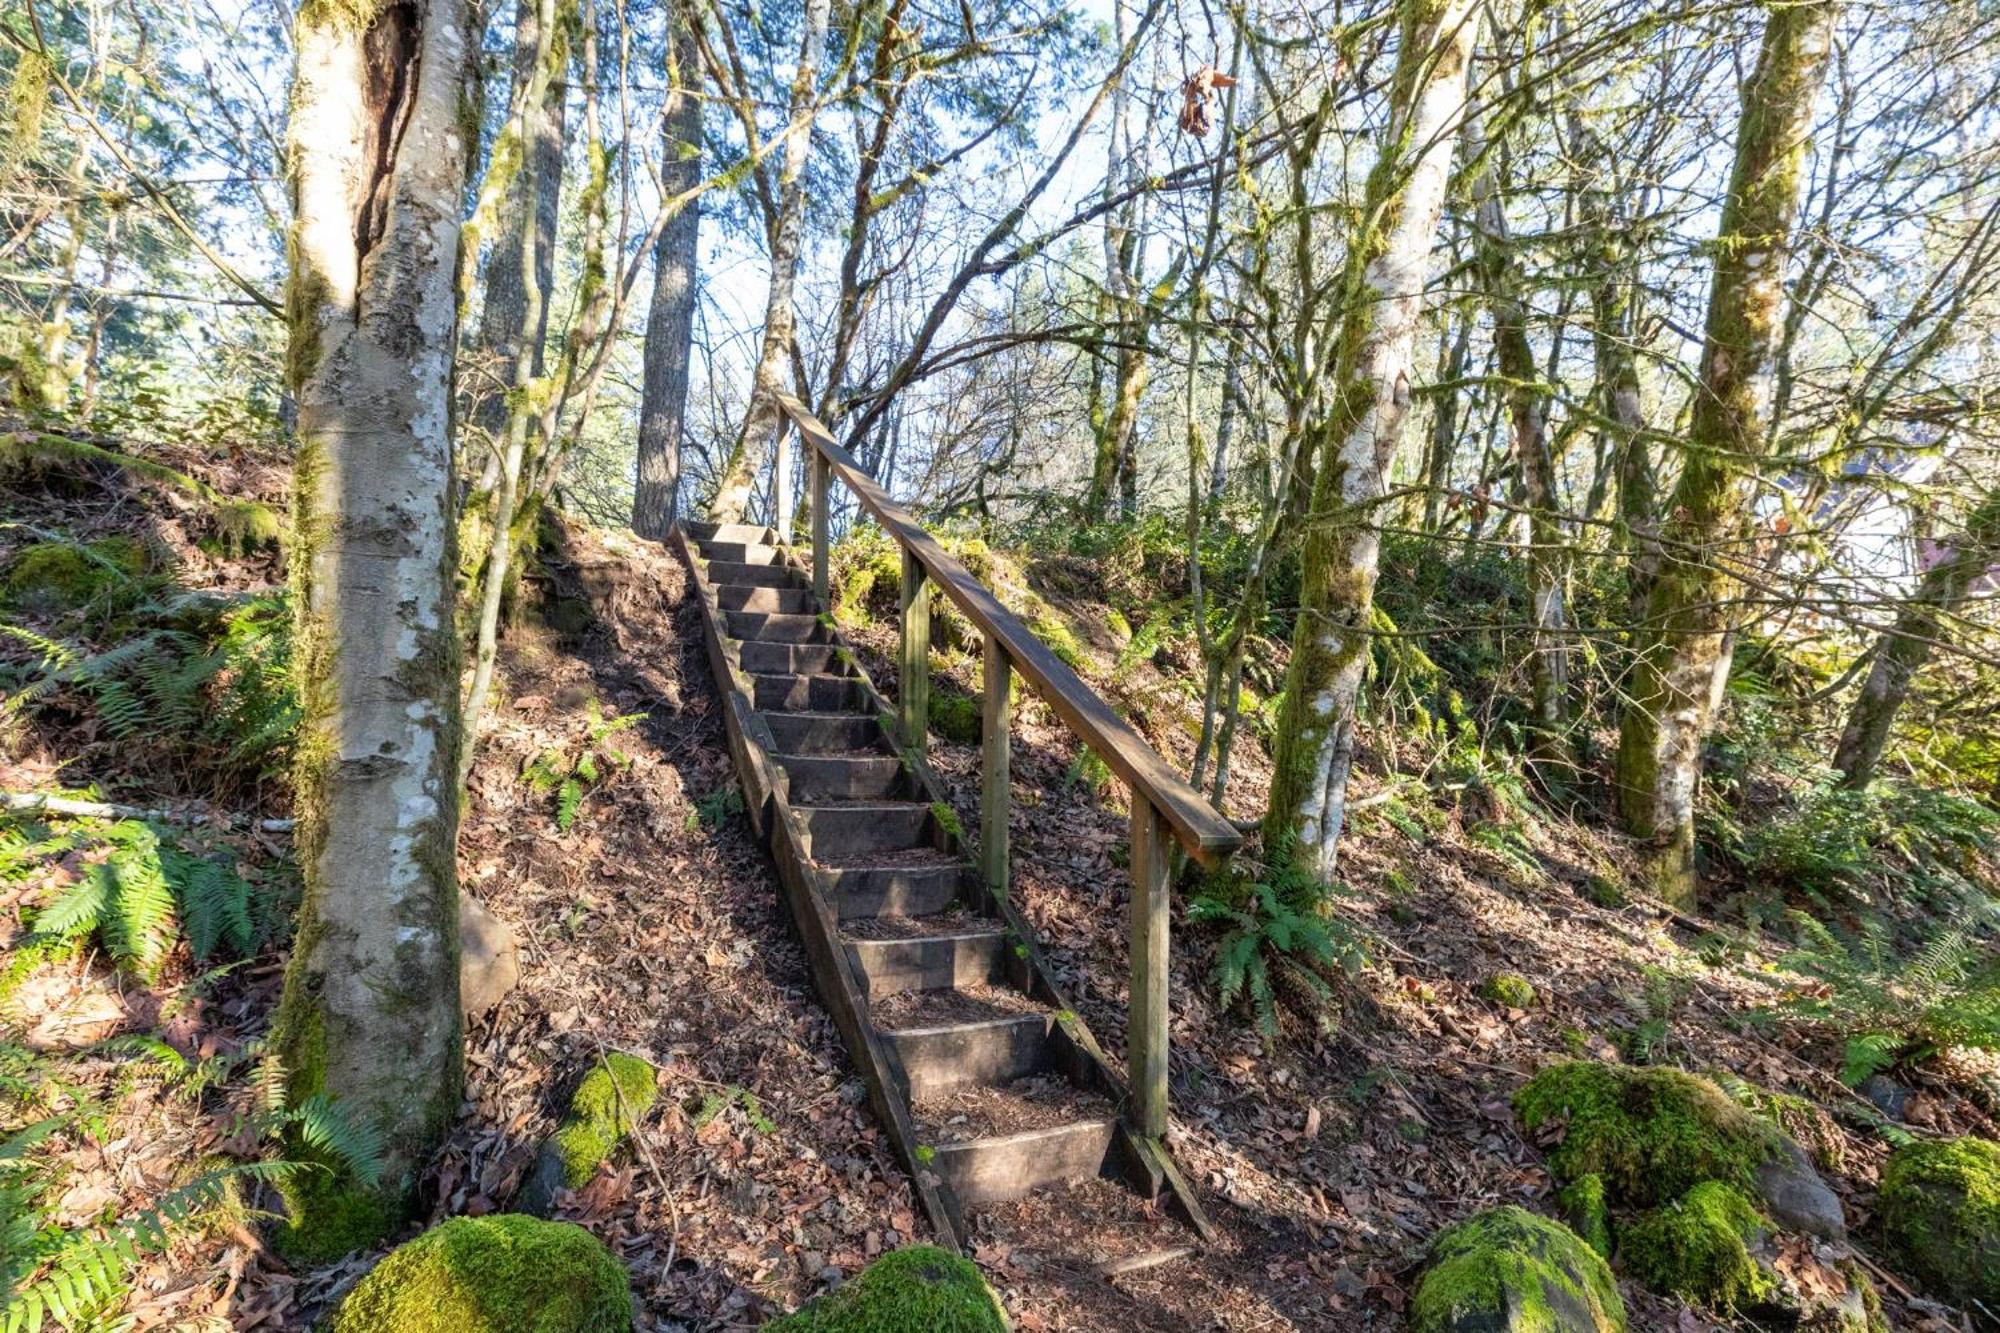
x=1275, y=931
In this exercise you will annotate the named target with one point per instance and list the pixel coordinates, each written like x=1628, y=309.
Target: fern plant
x=136, y=895
x=571, y=774
x=1276, y=935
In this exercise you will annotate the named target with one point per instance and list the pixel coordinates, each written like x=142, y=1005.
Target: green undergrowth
x=918, y=1289
x=572, y=771
x=235, y=525
x=1276, y=939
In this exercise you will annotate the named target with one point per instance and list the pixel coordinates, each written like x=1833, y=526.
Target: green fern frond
x=355, y=1143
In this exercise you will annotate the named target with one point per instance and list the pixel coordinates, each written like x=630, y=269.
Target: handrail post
x=781, y=480
x=821, y=525
x=1146, y=1021
x=913, y=680
x=995, y=760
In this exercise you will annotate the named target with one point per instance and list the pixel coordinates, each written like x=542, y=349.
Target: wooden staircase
x=988, y=1083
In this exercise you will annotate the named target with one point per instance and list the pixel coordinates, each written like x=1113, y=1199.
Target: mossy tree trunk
x=1681, y=633
x=1355, y=438
x=370, y=1010
x=760, y=420
x=670, y=317
x=1527, y=398
x=1906, y=646
x=524, y=209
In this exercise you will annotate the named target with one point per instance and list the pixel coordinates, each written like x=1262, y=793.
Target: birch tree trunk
x=370, y=1009
x=1368, y=402
x=760, y=419
x=1527, y=407
x=1904, y=649
x=523, y=206
x=670, y=317
x=1681, y=634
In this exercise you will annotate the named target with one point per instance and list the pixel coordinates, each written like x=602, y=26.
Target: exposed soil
x=1041, y=1101
x=908, y=1009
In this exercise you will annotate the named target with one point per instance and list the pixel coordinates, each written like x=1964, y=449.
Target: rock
x=1582, y=1202
x=489, y=959
x=1890, y=1097
x=613, y=1097
x=1700, y=1248
x=1509, y=989
x=1940, y=1209
x=1654, y=1134
x=1510, y=1271
x=500, y=1274
x=918, y=1287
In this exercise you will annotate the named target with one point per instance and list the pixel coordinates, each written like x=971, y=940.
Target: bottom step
x=996, y=1170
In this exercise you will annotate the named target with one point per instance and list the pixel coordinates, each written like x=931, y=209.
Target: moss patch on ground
x=1511, y=1269
x=919, y=1289
x=54, y=577
x=955, y=718
x=1507, y=988
x=613, y=1097
x=501, y=1274
x=1698, y=1248
x=1582, y=1202
x=1652, y=1134
x=1940, y=1209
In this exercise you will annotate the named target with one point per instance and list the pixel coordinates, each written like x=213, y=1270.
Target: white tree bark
x=1355, y=441
x=370, y=1011
x=760, y=419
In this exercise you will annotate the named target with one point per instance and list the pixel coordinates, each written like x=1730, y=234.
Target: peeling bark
x=1681, y=635
x=370, y=1010
x=1356, y=439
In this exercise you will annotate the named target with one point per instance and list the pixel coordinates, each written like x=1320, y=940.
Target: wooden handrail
x=1196, y=824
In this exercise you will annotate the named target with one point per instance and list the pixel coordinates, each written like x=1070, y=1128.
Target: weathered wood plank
x=1199, y=827
x=996, y=758
x=821, y=528
x=913, y=672
x=1146, y=1022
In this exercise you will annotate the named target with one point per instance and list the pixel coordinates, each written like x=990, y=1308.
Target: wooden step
x=725, y=573
x=845, y=831
x=1012, y=1165
x=823, y=733
x=928, y=962
x=991, y=1050
x=791, y=659
x=772, y=627
x=728, y=532
x=809, y=694
x=874, y=891
x=842, y=777
x=745, y=553
x=782, y=601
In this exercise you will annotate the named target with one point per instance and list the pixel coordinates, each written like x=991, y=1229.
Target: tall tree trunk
x=1527, y=406
x=370, y=1010
x=760, y=420
x=501, y=333
x=1904, y=648
x=1369, y=397
x=670, y=318
x=1680, y=637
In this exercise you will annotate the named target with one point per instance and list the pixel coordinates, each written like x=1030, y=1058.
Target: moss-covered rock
x=1940, y=1208
x=1582, y=1202
x=919, y=1289
x=501, y=1274
x=1653, y=1134
x=50, y=578
x=1700, y=1248
x=1508, y=988
x=1510, y=1271
x=955, y=718
x=613, y=1097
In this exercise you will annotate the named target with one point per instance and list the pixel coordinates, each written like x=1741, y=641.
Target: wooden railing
x=1164, y=806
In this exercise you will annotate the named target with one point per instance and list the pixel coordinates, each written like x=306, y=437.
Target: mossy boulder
x=918, y=1289
x=1582, y=1202
x=955, y=718
x=1700, y=1248
x=1510, y=989
x=502, y=1274
x=612, y=1098
x=1940, y=1209
x=51, y=578
x=1654, y=1134
x=1511, y=1271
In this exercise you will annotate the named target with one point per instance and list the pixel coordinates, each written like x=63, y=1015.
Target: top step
x=751, y=533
